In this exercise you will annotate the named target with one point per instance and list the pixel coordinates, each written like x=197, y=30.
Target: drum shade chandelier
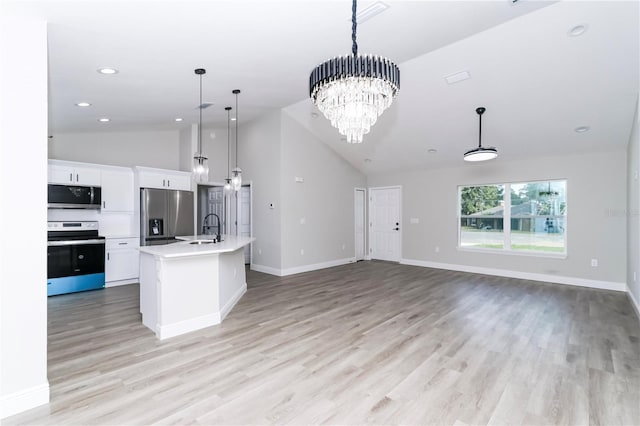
x=480, y=153
x=200, y=166
x=352, y=91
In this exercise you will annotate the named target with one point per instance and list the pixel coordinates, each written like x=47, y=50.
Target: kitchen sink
x=200, y=242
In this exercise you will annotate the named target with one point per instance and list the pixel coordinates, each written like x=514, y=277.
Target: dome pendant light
x=480, y=153
x=227, y=184
x=352, y=91
x=236, y=173
x=200, y=166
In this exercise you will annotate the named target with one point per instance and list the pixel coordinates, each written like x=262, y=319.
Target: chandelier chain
x=354, y=25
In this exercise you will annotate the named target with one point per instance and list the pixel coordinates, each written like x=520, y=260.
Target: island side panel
x=188, y=296
x=233, y=283
x=148, y=291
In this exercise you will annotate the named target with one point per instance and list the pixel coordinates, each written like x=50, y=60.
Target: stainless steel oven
x=75, y=257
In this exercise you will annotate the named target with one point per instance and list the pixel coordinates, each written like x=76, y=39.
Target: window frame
x=506, y=217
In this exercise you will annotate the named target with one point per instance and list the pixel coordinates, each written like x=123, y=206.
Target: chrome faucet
x=205, y=226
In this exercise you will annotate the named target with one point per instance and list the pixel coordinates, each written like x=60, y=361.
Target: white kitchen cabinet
x=121, y=260
x=117, y=190
x=74, y=175
x=163, y=179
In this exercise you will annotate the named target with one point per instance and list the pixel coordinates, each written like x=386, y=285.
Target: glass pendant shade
x=200, y=161
x=200, y=168
x=236, y=178
x=227, y=186
x=352, y=91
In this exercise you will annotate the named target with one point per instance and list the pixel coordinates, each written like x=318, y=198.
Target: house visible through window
x=519, y=217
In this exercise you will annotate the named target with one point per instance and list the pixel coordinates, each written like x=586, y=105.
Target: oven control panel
x=89, y=225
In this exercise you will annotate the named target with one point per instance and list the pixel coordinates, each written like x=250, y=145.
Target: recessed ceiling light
x=367, y=160
x=178, y=119
x=314, y=115
x=371, y=11
x=432, y=151
x=83, y=104
x=104, y=120
x=578, y=30
x=233, y=119
x=457, y=77
x=108, y=71
x=581, y=129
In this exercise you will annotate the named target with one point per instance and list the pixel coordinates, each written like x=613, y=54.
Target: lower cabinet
x=121, y=264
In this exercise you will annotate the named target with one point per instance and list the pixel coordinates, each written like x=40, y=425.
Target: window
x=534, y=222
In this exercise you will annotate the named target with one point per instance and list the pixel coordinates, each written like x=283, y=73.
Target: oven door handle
x=74, y=242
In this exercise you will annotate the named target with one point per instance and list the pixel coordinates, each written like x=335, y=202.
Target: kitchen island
x=191, y=285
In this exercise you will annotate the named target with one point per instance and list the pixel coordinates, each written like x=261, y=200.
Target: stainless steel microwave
x=74, y=197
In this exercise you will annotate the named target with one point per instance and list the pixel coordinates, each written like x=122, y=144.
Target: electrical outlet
x=259, y=251
x=344, y=246
x=594, y=262
x=235, y=272
x=634, y=276
x=303, y=221
x=301, y=252
x=437, y=249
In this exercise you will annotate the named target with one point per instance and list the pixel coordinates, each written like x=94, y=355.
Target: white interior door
x=216, y=205
x=244, y=218
x=360, y=220
x=385, y=223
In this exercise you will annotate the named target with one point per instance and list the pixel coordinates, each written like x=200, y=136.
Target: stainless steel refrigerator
x=165, y=214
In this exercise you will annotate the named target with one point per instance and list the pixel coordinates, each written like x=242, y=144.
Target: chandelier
x=353, y=91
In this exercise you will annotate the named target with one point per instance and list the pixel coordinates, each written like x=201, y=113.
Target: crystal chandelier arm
x=354, y=25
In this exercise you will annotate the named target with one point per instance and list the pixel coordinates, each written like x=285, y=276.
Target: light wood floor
x=371, y=342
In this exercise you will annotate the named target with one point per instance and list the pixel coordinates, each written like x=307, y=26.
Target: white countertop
x=229, y=243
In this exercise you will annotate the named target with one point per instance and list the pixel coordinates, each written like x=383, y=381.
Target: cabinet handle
x=77, y=177
x=163, y=182
x=168, y=182
x=104, y=204
x=122, y=244
x=70, y=177
x=107, y=256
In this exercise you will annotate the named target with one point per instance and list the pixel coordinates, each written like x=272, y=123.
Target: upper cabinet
x=163, y=179
x=74, y=175
x=117, y=190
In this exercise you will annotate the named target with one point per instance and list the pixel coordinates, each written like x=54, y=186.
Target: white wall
x=152, y=149
x=325, y=200
x=633, y=213
x=260, y=161
x=596, y=222
x=23, y=260
x=186, y=145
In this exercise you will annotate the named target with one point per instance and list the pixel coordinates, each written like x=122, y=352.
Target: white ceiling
x=536, y=82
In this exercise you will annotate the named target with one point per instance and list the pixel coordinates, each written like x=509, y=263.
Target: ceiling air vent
x=205, y=105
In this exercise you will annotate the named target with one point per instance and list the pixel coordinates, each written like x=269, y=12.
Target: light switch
x=299, y=179
x=415, y=220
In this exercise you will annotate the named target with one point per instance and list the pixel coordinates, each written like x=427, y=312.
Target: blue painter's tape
x=73, y=284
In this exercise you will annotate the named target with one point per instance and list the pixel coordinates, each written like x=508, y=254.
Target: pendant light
x=236, y=173
x=352, y=91
x=200, y=166
x=227, y=184
x=480, y=153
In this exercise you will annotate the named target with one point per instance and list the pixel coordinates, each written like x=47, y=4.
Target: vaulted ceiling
x=538, y=82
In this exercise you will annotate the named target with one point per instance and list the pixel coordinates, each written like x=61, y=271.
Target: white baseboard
x=634, y=302
x=186, y=326
x=367, y=257
x=303, y=268
x=23, y=400
x=316, y=266
x=581, y=282
x=232, y=302
x=265, y=269
x=121, y=282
